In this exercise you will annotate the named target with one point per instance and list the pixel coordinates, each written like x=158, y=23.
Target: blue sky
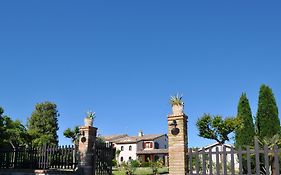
x=123, y=59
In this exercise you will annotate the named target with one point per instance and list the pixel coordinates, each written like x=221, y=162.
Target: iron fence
x=46, y=157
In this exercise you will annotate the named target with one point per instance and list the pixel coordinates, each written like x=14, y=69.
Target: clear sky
x=123, y=59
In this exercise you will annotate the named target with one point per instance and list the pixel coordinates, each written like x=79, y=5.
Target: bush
x=156, y=165
x=135, y=163
x=145, y=164
x=128, y=168
x=114, y=162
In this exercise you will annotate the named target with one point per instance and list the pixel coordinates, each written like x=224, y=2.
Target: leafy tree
x=244, y=135
x=214, y=127
x=72, y=134
x=267, y=121
x=43, y=124
x=15, y=133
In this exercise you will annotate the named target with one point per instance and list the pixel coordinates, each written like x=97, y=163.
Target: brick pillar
x=177, y=143
x=86, y=149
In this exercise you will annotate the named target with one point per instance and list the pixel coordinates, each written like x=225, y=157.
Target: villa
x=141, y=147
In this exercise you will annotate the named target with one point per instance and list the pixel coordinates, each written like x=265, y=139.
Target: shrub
x=128, y=168
x=135, y=163
x=145, y=164
x=114, y=162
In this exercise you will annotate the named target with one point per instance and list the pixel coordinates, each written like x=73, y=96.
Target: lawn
x=141, y=171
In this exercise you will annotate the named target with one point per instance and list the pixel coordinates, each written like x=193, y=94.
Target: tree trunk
x=273, y=169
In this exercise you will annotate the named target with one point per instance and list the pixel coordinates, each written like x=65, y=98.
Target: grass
x=140, y=171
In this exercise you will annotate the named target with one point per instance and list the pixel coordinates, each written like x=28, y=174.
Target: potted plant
x=90, y=118
x=177, y=104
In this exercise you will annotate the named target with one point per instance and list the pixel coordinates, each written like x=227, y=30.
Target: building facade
x=141, y=147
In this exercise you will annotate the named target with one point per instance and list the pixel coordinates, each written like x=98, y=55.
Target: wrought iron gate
x=103, y=158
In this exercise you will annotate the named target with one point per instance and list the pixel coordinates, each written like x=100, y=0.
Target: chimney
x=140, y=133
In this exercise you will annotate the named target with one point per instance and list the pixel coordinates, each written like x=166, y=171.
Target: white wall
x=126, y=153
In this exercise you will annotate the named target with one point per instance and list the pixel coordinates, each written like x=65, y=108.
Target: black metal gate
x=103, y=158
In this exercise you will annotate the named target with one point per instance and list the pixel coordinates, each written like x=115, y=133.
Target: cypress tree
x=244, y=135
x=267, y=122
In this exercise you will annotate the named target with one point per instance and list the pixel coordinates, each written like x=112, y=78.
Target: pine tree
x=244, y=135
x=43, y=124
x=267, y=121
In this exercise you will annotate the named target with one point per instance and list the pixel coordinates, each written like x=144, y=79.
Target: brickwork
x=86, y=143
x=177, y=145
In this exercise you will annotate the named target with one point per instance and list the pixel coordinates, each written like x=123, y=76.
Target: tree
x=12, y=132
x=15, y=133
x=214, y=127
x=72, y=134
x=43, y=124
x=1, y=126
x=244, y=135
x=267, y=121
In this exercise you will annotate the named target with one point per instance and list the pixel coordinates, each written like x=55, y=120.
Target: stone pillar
x=177, y=133
x=86, y=149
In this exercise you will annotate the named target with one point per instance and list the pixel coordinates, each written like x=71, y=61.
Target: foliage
x=128, y=168
x=100, y=140
x=145, y=164
x=72, y=134
x=141, y=171
x=214, y=127
x=267, y=121
x=43, y=124
x=114, y=162
x=1, y=126
x=176, y=100
x=15, y=133
x=244, y=135
x=156, y=165
x=117, y=153
x=12, y=132
x=270, y=142
x=91, y=114
x=135, y=163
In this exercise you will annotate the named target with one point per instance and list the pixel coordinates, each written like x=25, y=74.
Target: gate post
x=86, y=149
x=178, y=140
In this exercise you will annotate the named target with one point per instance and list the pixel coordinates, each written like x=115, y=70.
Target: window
x=156, y=145
x=121, y=159
x=122, y=148
x=147, y=144
x=130, y=148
